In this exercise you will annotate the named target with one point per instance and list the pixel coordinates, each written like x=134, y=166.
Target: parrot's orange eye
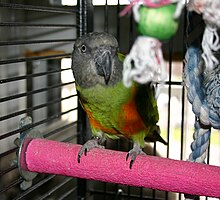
x=83, y=48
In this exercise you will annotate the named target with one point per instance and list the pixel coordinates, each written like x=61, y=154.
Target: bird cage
x=37, y=84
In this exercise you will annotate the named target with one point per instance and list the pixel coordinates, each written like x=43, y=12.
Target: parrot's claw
x=90, y=144
x=133, y=153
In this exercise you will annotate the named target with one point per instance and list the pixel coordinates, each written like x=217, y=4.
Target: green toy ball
x=158, y=22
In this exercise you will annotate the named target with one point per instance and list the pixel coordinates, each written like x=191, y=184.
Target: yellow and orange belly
x=128, y=123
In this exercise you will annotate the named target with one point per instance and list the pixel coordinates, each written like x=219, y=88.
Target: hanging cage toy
x=201, y=77
x=156, y=20
x=210, y=43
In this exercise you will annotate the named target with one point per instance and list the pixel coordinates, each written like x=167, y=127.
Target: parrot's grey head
x=95, y=60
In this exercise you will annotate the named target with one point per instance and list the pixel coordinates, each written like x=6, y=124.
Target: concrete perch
x=52, y=157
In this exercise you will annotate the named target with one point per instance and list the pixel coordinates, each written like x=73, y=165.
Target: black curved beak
x=103, y=63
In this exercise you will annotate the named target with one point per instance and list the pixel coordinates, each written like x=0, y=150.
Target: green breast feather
x=105, y=102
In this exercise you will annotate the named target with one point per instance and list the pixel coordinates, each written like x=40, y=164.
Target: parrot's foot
x=133, y=153
x=90, y=144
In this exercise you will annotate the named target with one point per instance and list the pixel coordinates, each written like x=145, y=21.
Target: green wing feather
x=146, y=104
x=147, y=108
x=121, y=57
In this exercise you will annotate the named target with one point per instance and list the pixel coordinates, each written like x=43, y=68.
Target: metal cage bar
x=85, y=21
x=35, y=45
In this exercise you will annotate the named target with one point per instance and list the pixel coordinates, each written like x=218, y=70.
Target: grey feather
x=89, y=49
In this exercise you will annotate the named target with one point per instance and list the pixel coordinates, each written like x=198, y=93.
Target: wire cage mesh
x=36, y=40
x=36, y=80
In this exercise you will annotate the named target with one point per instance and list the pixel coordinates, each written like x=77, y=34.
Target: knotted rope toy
x=196, y=94
x=203, y=92
x=211, y=15
x=156, y=20
x=202, y=78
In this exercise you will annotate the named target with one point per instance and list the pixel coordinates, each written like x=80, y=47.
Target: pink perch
x=46, y=156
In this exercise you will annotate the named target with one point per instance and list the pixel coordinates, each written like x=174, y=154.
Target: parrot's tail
x=155, y=136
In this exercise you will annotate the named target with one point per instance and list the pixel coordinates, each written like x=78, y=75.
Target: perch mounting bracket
x=26, y=135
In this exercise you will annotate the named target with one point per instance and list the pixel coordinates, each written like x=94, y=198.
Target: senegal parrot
x=113, y=110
